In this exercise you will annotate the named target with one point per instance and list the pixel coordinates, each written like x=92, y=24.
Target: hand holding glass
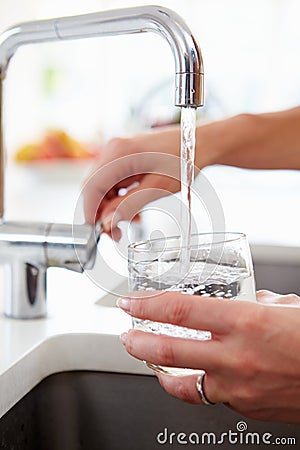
x=214, y=265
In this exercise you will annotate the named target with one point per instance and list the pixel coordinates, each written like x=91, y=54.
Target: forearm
x=262, y=141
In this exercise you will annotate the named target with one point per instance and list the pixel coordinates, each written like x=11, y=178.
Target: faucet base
x=27, y=250
x=25, y=290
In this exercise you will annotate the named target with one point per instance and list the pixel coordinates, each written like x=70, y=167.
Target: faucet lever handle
x=72, y=247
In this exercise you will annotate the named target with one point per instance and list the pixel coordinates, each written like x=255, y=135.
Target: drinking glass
x=212, y=265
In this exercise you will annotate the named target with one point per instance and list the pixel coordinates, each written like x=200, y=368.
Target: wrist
x=226, y=141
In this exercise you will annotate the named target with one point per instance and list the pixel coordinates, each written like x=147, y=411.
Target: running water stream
x=188, y=140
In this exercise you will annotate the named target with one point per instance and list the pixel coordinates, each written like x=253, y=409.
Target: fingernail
x=124, y=303
x=123, y=338
x=110, y=221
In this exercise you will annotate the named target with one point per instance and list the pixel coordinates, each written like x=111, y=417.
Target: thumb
x=130, y=204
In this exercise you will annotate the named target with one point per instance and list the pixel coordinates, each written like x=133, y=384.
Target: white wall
x=250, y=51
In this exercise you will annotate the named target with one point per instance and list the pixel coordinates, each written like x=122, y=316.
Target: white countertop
x=77, y=334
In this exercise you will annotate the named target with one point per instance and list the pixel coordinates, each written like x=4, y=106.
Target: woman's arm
x=150, y=163
x=253, y=141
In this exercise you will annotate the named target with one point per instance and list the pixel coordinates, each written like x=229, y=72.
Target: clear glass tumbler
x=214, y=265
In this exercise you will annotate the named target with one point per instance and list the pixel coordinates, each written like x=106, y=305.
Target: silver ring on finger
x=200, y=389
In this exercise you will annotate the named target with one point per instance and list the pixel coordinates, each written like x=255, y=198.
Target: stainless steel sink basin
x=109, y=411
x=277, y=268
x=278, y=277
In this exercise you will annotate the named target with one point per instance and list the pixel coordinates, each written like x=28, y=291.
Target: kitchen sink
x=112, y=411
x=278, y=277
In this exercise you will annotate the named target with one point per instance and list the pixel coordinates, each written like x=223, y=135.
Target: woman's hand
x=135, y=171
x=130, y=173
x=252, y=362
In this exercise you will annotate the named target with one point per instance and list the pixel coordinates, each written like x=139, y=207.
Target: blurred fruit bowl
x=57, y=156
x=56, y=144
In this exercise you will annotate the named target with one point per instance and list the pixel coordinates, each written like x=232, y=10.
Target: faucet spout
x=160, y=20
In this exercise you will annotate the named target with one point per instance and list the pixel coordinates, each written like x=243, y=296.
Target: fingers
x=272, y=298
x=202, y=313
x=184, y=388
x=125, y=161
x=127, y=206
x=265, y=296
x=97, y=186
x=102, y=191
x=169, y=351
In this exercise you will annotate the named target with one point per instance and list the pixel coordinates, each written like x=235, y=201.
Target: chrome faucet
x=28, y=249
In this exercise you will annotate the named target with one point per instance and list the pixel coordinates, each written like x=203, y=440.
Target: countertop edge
x=65, y=352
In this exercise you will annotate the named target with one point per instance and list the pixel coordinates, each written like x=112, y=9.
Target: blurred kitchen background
x=94, y=89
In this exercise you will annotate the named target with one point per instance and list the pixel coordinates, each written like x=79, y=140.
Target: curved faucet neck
x=160, y=20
